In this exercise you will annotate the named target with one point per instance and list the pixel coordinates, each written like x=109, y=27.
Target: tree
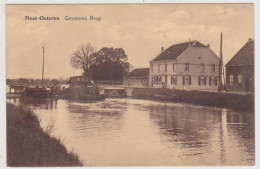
x=54, y=82
x=83, y=58
x=110, y=64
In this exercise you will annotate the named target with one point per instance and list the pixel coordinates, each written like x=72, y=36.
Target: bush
x=29, y=145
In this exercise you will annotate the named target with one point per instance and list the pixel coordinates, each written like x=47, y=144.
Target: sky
x=140, y=29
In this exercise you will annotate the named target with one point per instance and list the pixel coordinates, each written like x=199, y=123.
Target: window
x=165, y=67
x=186, y=67
x=174, y=79
x=231, y=80
x=202, y=80
x=239, y=79
x=213, y=81
x=186, y=80
x=174, y=67
x=202, y=68
x=151, y=67
x=165, y=79
x=157, y=79
x=159, y=67
x=213, y=68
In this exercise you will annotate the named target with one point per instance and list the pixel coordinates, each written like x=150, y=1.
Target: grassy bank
x=29, y=145
x=224, y=100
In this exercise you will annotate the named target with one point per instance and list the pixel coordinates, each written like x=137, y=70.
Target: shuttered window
x=157, y=79
x=213, y=81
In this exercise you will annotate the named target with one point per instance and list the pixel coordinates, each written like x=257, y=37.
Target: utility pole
x=220, y=87
x=43, y=50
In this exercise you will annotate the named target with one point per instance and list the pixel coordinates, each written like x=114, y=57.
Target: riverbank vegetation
x=235, y=101
x=29, y=145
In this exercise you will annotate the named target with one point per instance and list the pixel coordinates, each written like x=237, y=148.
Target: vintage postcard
x=110, y=85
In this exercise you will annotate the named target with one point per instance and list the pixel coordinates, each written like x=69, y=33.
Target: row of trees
x=105, y=64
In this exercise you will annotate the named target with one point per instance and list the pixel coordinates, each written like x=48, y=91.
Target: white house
x=189, y=65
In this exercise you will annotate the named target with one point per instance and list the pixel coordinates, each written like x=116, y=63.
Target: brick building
x=240, y=69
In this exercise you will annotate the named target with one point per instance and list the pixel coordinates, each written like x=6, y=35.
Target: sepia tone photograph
x=130, y=85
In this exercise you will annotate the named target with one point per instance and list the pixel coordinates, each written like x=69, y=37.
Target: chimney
x=208, y=45
x=162, y=48
x=250, y=39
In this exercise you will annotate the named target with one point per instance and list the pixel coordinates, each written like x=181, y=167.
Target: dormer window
x=159, y=67
x=165, y=67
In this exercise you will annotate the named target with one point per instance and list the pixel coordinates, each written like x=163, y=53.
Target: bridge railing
x=109, y=82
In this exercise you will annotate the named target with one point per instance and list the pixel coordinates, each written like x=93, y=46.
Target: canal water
x=132, y=132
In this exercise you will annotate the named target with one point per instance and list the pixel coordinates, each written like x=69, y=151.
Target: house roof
x=245, y=56
x=140, y=72
x=174, y=51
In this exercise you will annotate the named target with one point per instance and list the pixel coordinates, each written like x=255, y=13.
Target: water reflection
x=42, y=104
x=202, y=131
x=89, y=118
x=132, y=132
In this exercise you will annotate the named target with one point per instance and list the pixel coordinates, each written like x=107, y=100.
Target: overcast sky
x=141, y=30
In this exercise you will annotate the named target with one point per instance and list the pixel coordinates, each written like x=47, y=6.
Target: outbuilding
x=240, y=69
